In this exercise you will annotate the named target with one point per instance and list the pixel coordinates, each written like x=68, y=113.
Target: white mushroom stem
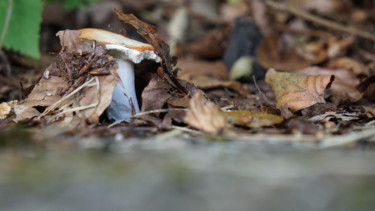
x=124, y=99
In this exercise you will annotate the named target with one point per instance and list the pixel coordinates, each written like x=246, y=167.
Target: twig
x=81, y=108
x=149, y=112
x=159, y=111
x=57, y=103
x=260, y=92
x=321, y=21
x=188, y=130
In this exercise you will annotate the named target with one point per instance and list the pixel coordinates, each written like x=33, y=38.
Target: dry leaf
x=208, y=75
x=338, y=47
x=191, y=68
x=297, y=90
x=251, y=119
x=65, y=92
x=348, y=63
x=345, y=84
x=205, y=115
x=44, y=94
x=99, y=95
x=269, y=56
x=156, y=94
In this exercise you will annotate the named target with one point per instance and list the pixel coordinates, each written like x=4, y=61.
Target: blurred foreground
x=174, y=175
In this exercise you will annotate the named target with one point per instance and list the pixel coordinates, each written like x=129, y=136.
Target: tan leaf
x=205, y=115
x=44, y=94
x=345, y=85
x=297, y=90
x=100, y=96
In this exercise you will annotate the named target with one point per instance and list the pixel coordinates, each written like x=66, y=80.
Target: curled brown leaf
x=297, y=90
x=205, y=115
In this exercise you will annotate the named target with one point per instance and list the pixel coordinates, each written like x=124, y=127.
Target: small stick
x=159, y=111
x=150, y=112
x=57, y=103
x=81, y=108
x=260, y=92
x=321, y=21
x=188, y=130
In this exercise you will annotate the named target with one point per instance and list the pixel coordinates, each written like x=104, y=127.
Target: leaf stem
x=6, y=21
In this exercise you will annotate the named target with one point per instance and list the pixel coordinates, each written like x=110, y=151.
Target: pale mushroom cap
x=107, y=37
x=120, y=46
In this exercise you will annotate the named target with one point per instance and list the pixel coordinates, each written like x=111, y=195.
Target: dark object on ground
x=244, y=41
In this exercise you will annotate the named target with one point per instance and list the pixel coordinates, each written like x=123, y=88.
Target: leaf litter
x=312, y=93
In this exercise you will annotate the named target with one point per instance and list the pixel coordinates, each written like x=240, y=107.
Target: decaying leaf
x=65, y=93
x=208, y=75
x=297, y=90
x=44, y=94
x=251, y=119
x=270, y=55
x=345, y=84
x=155, y=95
x=98, y=96
x=205, y=115
x=348, y=63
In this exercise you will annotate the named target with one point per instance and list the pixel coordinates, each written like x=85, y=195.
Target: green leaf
x=22, y=34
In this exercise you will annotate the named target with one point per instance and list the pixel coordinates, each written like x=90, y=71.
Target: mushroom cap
x=121, y=46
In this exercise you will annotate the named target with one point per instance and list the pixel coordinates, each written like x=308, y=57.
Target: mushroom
x=127, y=53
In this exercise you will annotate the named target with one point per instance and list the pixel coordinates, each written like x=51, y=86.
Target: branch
x=321, y=21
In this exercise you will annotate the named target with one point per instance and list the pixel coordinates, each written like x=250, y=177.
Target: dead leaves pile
x=65, y=94
x=77, y=87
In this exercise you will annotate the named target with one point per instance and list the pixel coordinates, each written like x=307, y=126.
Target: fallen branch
x=319, y=20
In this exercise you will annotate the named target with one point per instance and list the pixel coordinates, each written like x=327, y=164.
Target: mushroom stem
x=124, y=98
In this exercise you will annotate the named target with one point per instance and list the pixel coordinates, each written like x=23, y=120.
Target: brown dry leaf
x=190, y=69
x=211, y=45
x=64, y=93
x=205, y=115
x=44, y=94
x=251, y=119
x=208, y=75
x=99, y=95
x=338, y=47
x=297, y=90
x=345, y=84
x=348, y=63
x=269, y=56
x=154, y=97
x=156, y=94
x=314, y=52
